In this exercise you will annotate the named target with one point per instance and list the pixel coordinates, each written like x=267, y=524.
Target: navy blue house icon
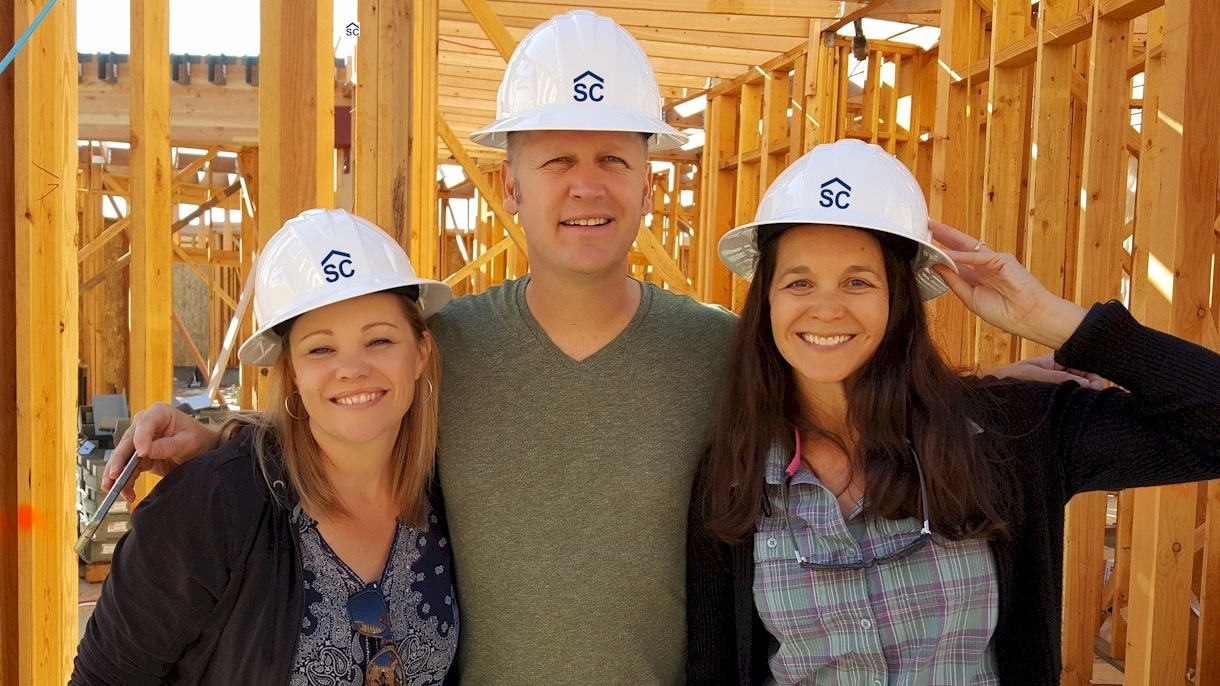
x=337, y=265
x=835, y=193
x=588, y=86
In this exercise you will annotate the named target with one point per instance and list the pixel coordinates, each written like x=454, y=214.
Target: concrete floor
x=88, y=599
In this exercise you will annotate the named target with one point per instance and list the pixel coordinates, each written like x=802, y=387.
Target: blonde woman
x=310, y=550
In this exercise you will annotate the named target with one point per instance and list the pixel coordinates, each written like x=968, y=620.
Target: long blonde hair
x=293, y=450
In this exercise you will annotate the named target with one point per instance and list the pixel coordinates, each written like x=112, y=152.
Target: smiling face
x=355, y=364
x=580, y=196
x=829, y=301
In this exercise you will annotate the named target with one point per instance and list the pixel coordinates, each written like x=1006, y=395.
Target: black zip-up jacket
x=1061, y=440
x=207, y=587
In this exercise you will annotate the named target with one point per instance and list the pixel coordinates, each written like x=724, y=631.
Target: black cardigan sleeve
x=727, y=643
x=711, y=641
x=1161, y=427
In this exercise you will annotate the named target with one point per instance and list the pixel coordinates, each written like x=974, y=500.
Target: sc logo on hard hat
x=835, y=197
x=337, y=265
x=590, y=89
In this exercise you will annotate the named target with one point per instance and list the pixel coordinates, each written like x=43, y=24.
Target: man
x=574, y=401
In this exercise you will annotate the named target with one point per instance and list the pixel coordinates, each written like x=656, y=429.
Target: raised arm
x=164, y=438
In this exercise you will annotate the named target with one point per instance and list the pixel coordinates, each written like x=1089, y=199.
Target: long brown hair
x=906, y=391
x=291, y=447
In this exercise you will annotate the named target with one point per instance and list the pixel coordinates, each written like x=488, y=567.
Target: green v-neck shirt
x=566, y=487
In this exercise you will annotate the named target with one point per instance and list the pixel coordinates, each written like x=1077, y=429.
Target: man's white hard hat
x=579, y=71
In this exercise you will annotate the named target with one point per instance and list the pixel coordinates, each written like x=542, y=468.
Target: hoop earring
x=430, y=390
x=288, y=409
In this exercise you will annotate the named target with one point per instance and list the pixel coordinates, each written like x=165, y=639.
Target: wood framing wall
x=214, y=252
x=760, y=122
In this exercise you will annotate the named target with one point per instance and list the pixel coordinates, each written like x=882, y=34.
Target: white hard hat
x=579, y=72
x=322, y=257
x=846, y=183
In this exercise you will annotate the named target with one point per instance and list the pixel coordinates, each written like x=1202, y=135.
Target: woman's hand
x=998, y=289
x=1045, y=369
x=164, y=438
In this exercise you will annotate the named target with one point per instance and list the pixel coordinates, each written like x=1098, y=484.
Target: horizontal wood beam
x=1025, y=51
x=783, y=61
x=494, y=73
x=187, y=192
x=885, y=46
x=123, y=223
x=457, y=24
x=808, y=9
x=861, y=13
x=1127, y=9
x=210, y=257
x=1075, y=30
x=511, y=11
x=918, y=18
x=691, y=45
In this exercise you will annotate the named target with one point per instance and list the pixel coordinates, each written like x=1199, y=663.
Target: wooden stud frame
x=1187, y=144
x=151, y=273
x=39, y=526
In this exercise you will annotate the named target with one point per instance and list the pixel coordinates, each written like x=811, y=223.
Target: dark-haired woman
x=865, y=514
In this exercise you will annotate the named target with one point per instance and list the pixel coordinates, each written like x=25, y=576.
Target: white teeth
x=587, y=222
x=358, y=399
x=825, y=340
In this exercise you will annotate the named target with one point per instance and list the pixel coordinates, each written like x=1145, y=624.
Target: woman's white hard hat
x=846, y=183
x=321, y=257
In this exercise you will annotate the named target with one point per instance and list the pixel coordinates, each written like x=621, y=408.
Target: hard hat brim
x=738, y=250
x=263, y=347
x=562, y=118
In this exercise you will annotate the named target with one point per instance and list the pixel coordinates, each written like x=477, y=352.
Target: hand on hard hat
x=322, y=257
x=998, y=289
x=579, y=72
